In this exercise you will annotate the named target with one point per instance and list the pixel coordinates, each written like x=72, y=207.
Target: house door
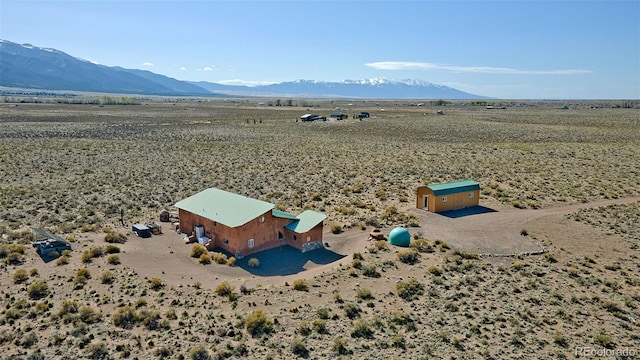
x=425, y=202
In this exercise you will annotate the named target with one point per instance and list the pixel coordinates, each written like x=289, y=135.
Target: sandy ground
x=490, y=229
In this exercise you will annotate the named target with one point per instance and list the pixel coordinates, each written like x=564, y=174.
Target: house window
x=250, y=245
x=215, y=223
x=226, y=241
x=308, y=238
x=295, y=238
x=261, y=219
x=444, y=199
x=470, y=194
x=280, y=235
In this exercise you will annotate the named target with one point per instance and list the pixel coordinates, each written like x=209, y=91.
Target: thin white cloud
x=244, y=82
x=147, y=64
x=206, y=68
x=182, y=68
x=410, y=65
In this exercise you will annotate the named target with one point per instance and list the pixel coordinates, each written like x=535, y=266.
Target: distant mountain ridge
x=30, y=67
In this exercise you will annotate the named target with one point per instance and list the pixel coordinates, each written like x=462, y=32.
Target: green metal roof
x=453, y=187
x=282, y=214
x=227, y=208
x=307, y=220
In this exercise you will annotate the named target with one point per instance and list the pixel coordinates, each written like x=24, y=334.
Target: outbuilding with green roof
x=448, y=196
x=242, y=225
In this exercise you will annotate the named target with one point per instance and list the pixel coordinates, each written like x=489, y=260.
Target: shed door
x=425, y=202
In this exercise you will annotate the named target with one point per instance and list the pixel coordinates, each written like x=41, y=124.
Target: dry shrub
x=205, y=259
x=125, y=317
x=62, y=260
x=113, y=259
x=224, y=289
x=410, y=256
x=257, y=323
x=112, y=249
x=197, y=250
x=38, y=290
x=115, y=238
x=352, y=310
x=156, y=284
x=231, y=261
x=107, y=277
x=253, y=263
x=422, y=245
x=20, y=276
x=219, y=258
x=300, y=285
x=364, y=294
x=410, y=290
x=381, y=245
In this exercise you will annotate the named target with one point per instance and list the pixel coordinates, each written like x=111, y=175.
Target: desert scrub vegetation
x=38, y=290
x=81, y=278
x=535, y=155
x=410, y=256
x=111, y=249
x=204, y=259
x=300, y=285
x=113, y=237
x=410, y=290
x=257, y=323
x=253, y=262
x=481, y=144
x=198, y=250
x=20, y=276
x=614, y=219
x=93, y=252
x=113, y=259
x=224, y=289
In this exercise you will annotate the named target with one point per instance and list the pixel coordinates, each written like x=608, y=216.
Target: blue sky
x=504, y=49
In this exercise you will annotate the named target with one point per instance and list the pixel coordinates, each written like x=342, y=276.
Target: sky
x=504, y=49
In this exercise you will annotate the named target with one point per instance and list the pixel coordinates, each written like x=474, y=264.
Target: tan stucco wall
x=454, y=201
x=264, y=233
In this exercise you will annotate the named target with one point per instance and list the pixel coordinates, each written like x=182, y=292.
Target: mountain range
x=29, y=67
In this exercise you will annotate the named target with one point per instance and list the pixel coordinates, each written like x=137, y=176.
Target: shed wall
x=453, y=201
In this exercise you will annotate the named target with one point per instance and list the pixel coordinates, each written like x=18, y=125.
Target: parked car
x=312, y=117
x=339, y=116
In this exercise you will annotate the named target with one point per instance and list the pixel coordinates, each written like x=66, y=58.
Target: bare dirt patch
x=74, y=169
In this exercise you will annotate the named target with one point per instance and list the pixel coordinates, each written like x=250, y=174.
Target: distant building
x=47, y=242
x=242, y=225
x=448, y=196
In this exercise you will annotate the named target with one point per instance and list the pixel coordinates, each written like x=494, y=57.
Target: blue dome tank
x=400, y=237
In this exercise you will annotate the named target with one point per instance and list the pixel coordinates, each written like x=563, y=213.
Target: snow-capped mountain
x=380, y=88
x=30, y=67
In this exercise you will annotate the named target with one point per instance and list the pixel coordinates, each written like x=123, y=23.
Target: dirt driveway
x=492, y=229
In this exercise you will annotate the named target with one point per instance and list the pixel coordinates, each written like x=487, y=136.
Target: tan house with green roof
x=242, y=225
x=448, y=196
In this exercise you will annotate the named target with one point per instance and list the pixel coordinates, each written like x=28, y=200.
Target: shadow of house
x=473, y=210
x=285, y=260
x=48, y=245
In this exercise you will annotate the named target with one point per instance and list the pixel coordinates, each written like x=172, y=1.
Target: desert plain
x=547, y=269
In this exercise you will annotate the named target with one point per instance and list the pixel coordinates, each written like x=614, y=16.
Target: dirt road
x=492, y=229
